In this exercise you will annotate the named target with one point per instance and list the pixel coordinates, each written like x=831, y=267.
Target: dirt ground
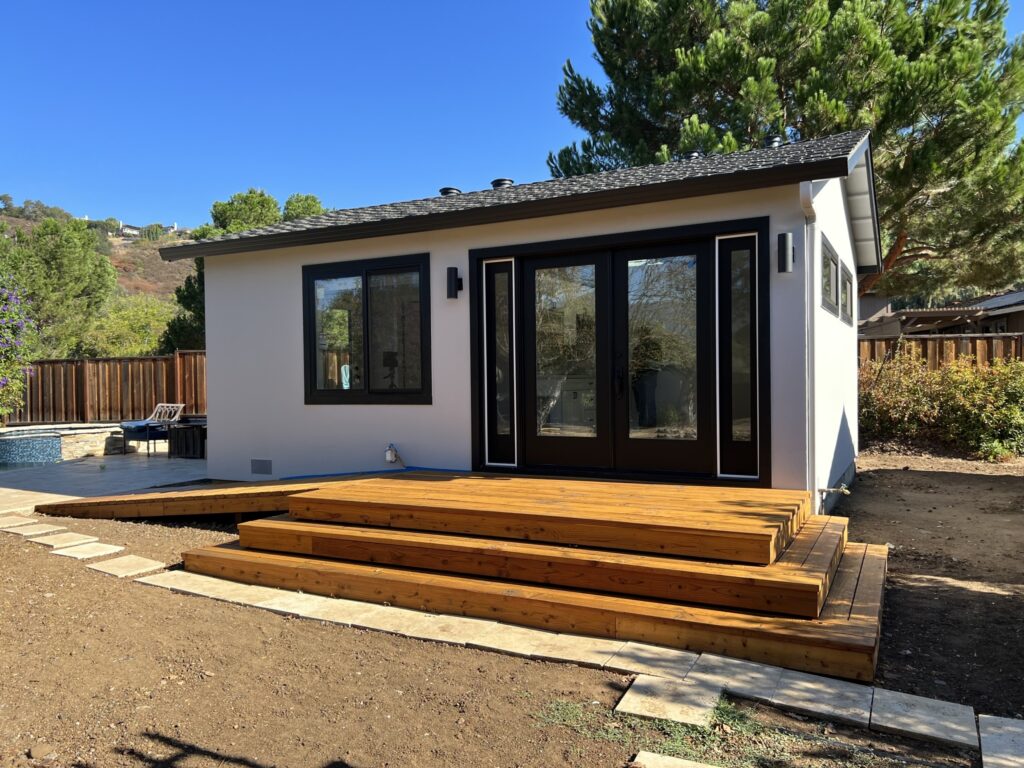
x=953, y=625
x=103, y=672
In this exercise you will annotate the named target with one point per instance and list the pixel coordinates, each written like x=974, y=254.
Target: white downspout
x=810, y=255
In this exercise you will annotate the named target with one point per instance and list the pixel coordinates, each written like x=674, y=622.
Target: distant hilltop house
x=128, y=230
x=131, y=232
x=1001, y=313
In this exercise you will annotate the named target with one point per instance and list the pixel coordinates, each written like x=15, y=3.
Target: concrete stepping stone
x=643, y=659
x=299, y=604
x=207, y=586
x=918, y=717
x=585, y=651
x=88, y=551
x=823, y=697
x=652, y=760
x=1002, y=742
x=61, y=540
x=746, y=679
x=37, y=530
x=129, y=565
x=7, y=522
x=508, y=639
x=683, y=701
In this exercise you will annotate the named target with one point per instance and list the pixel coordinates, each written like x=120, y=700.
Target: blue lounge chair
x=153, y=428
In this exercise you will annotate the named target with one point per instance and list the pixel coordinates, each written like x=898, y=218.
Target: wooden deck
x=749, y=573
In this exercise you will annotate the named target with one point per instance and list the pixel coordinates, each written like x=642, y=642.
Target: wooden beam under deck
x=843, y=644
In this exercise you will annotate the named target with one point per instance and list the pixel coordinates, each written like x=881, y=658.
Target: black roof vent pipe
x=772, y=142
x=693, y=154
x=449, y=191
x=500, y=183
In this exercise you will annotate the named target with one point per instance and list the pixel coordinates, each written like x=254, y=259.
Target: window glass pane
x=741, y=337
x=662, y=317
x=566, y=352
x=502, y=375
x=827, y=278
x=395, y=340
x=339, y=333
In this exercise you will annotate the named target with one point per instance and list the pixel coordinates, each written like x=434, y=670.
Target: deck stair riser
x=844, y=644
x=795, y=585
x=686, y=522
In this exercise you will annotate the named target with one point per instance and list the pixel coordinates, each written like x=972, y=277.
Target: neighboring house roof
x=845, y=155
x=937, y=318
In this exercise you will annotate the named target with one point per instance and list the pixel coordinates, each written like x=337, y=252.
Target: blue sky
x=134, y=111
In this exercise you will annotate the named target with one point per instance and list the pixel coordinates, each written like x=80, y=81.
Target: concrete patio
x=21, y=489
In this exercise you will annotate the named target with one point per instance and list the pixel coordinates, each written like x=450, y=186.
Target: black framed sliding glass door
x=633, y=360
x=565, y=420
x=664, y=359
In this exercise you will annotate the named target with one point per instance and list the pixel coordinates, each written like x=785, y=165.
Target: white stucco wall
x=255, y=356
x=835, y=349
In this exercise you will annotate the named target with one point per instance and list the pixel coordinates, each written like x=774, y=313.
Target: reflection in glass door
x=499, y=362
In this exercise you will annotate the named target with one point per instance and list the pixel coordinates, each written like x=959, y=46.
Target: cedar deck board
x=840, y=647
x=730, y=524
x=790, y=586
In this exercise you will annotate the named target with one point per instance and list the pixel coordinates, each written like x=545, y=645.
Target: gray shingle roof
x=827, y=157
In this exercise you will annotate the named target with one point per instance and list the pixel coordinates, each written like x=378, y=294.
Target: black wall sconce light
x=785, y=252
x=454, y=283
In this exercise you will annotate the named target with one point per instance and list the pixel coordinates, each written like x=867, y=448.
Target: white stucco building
x=693, y=321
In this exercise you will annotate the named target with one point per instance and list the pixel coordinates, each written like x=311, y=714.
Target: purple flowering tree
x=17, y=330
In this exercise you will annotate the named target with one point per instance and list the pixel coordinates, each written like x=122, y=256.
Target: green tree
x=938, y=83
x=299, y=206
x=67, y=279
x=187, y=328
x=152, y=232
x=130, y=325
x=17, y=330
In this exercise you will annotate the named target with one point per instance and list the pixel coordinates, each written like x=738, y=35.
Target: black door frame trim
x=758, y=226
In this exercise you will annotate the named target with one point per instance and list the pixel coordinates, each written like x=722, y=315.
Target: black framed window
x=846, y=296
x=367, y=331
x=829, y=278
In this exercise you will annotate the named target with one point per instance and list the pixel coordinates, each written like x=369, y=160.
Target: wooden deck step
x=729, y=524
x=843, y=643
x=794, y=585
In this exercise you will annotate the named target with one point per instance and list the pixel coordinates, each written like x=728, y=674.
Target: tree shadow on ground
x=182, y=753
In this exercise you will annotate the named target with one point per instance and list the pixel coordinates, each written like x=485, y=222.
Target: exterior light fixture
x=785, y=252
x=454, y=283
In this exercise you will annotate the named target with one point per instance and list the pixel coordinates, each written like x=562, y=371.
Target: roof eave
x=616, y=198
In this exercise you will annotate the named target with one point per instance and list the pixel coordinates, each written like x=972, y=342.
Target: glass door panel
x=662, y=337
x=499, y=363
x=737, y=355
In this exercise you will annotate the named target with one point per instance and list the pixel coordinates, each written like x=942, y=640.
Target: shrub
x=975, y=409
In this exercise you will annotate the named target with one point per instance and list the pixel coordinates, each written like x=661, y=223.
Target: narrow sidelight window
x=367, y=331
x=829, y=278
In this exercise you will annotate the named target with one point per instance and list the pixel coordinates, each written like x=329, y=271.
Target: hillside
x=141, y=270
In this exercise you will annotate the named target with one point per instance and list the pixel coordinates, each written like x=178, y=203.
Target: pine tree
x=938, y=83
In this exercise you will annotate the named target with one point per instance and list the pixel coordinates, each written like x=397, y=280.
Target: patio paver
x=7, y=522
x=682, y=701
x=129, y=565
x=62, y=540
x=746, y=679
x=584, y=651
x=36, y=530
x=1002, y=742
x=824, y=697
x=208, y=586
x=652, y=760
x=644, y=659
x=88, y=551
x=916, y=716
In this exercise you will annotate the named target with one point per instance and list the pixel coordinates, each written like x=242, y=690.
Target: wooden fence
x=937, y=350
x=111, y=389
